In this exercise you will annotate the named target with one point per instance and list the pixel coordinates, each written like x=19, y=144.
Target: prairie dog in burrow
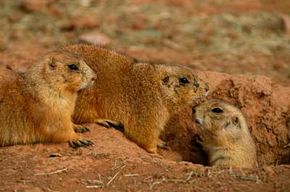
x=224, y=135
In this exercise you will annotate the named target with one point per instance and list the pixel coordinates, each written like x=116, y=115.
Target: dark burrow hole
x=182, y=139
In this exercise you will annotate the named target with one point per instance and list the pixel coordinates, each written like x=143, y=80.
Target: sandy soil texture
x=241, y=48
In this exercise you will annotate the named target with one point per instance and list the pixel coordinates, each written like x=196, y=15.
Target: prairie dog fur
x=225, y=135
x=142, y=96
x=36, y=106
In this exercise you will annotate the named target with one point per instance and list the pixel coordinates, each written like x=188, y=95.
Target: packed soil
x=241, y=48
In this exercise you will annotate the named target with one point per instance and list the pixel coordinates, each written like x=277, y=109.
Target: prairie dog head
x=180, y=86
x=66, y=71
x=217, y=120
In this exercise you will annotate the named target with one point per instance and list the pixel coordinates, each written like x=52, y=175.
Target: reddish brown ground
x=233, y=37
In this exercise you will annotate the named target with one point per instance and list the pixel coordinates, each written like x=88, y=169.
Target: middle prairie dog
x=225, y=135
x=36, y=106
x=141, y=96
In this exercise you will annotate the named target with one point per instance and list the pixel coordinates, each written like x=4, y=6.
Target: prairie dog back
x=142, y=96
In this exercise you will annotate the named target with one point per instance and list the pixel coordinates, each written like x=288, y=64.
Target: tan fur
x=141, y=96
x=225, y=135
x=36, y=106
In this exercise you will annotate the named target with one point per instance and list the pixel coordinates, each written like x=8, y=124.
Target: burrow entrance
x=265, y=105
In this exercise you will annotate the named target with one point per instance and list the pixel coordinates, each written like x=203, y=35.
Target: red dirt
x=206, y=35
x=116, y=164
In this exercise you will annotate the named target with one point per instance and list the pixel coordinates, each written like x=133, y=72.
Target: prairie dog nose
x=198, y=121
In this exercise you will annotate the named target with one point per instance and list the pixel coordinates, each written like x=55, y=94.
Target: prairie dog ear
x=52, y=63
x=165, y=80
x=236, y=121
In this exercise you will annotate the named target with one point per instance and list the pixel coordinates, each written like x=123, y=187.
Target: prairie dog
x=36, y=106
x=142, y=96
x=225, y=135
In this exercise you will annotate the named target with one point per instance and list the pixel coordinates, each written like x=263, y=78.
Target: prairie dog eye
x=73, y=67
x=217, y=110
x=183, y=80
x=193, y=110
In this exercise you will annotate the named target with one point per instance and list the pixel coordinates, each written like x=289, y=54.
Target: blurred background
x=231, y=36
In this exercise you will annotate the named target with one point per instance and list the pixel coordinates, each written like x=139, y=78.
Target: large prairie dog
x=36, y=106
x=141, y=96
x=225, y=135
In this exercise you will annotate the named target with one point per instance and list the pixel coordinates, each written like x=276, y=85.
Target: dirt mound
x=266, y=108
x=114, y=163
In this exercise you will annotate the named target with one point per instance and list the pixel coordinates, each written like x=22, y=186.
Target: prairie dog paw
x=162, y=144
x=80, y=129
x=80, y=143
x=110, y=124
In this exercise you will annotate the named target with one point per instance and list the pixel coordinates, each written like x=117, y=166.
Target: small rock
x=286, y=20
x=85, y=3
x=96, y=38
x=81, y=22
x=34, y=5
x=55, y=155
